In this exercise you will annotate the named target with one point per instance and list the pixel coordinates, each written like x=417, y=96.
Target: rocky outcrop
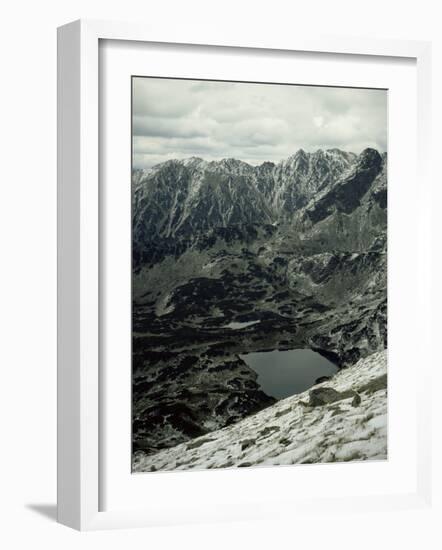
x=181, y=396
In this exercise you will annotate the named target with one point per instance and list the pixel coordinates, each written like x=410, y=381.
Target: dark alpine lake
x=285, y=373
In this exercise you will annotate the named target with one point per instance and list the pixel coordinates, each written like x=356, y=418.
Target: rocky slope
x=298, y=247
x=343, y=419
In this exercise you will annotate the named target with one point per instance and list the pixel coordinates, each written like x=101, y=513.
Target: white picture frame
x=79, y=367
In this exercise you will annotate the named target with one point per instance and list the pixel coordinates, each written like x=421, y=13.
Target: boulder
x=323, y=396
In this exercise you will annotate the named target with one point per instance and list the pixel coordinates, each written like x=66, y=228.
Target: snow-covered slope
x=342, y=419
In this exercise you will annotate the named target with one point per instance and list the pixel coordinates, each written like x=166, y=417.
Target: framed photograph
x=239, y=223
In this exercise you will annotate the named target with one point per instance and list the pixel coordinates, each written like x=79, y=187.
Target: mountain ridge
x=181, y=198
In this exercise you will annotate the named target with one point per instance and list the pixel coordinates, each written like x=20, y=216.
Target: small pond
x=285, y=373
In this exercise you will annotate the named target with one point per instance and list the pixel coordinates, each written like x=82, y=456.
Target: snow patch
x=234, y=325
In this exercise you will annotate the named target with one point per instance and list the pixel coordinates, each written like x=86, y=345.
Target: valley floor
x=340, y=420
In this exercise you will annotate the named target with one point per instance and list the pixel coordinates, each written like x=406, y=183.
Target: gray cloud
x=168, y=127
x=251, y=122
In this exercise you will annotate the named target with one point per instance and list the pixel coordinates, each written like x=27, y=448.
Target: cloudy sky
x=251, y=122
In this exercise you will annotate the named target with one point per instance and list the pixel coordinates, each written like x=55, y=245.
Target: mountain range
x=298, y=247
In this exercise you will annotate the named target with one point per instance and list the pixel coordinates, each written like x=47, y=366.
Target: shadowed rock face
x=299, y=246
x=347, y=194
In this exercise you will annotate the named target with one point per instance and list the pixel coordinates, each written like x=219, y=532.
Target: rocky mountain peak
x=193, y=161
x=368, y=158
